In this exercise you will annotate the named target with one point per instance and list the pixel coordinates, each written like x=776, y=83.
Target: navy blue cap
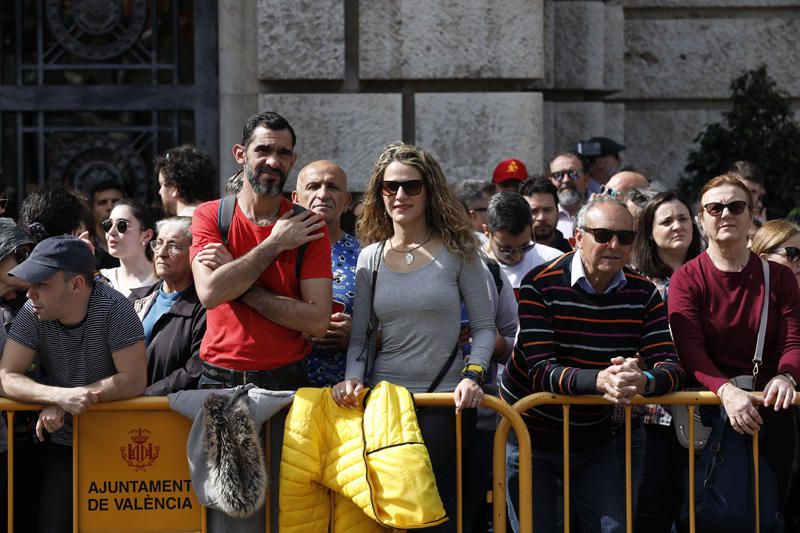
x=63, y=253
x=598, y=147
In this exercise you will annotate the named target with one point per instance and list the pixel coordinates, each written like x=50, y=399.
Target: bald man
x=624, y=181
x=322, y=188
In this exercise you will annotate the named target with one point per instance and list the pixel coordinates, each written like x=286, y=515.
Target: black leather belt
x=289, y=377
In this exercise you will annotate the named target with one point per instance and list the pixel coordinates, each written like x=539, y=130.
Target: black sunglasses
x=603, y=236
x=715, y=209
x=573, y=174
x=792, y=253
x=122, y=225
x=410, y=187
x=509, y=250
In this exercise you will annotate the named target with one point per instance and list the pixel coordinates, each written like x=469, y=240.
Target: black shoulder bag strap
x=227, y=204
x=440, y=376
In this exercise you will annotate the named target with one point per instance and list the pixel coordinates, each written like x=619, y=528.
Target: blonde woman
x=779, y=241
x=418, y=237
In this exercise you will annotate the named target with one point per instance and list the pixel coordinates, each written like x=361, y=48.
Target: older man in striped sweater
x=588, y=325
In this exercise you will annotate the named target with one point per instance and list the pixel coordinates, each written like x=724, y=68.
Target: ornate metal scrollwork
x=97, y=30
x=90, y=161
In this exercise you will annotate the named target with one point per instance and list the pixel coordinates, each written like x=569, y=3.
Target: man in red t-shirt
x=258, y=306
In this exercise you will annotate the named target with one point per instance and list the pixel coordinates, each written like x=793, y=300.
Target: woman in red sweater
x=714, y=312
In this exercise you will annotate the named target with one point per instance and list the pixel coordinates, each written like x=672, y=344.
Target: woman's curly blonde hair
x=444, y=213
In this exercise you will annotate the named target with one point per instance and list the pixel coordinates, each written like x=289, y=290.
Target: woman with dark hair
x=666, y=238
x=129, y=229
x=50, y=210
x=424, y=257
x=715, y=312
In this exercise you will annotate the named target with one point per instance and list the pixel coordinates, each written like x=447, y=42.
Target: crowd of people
x=588, y=279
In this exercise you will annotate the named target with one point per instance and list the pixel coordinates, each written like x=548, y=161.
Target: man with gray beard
x=569, y=176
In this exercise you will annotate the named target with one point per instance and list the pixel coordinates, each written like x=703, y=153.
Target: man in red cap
x=509, y=175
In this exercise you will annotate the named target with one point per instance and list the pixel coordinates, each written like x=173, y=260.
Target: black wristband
x=474, y=376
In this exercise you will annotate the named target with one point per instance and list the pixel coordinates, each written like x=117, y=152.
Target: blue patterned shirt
x=326, y=368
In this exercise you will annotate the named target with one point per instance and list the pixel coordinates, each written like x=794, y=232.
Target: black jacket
x=173, y=355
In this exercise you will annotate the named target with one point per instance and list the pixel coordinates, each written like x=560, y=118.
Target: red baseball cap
x=510, y=169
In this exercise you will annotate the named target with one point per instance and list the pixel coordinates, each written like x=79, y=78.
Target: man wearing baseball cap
x=89, y=343
x=509, y=175
x=604, y=160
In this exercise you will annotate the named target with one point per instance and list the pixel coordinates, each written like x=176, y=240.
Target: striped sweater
x=567, y=336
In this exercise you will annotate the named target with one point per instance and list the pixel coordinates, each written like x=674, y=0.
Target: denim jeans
x=638, y=446
x=597, y=488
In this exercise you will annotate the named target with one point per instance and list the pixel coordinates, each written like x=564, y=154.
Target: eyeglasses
x=509, y=251
x=715, y=209
x=573, y=174
x=603, y=236
x=172, y=248
x=792, y=253
x=410, y=187
x=122, y=225
x=3, y=203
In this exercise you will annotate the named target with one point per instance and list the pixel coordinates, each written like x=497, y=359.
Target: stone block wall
x=455, y=76
x=680, y=58
x=477, y=82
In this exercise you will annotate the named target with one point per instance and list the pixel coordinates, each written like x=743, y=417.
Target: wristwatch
x=650, y=386
x=790, y=378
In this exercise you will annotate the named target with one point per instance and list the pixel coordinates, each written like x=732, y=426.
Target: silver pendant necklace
x=409, y=257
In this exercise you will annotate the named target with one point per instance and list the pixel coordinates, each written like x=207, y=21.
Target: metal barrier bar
x=690, y=417
x=628, y=472
x=689, y=398
x=510, y=419
x=756, y=482
x=459, y=476
x=10, y=480
x=566, y=483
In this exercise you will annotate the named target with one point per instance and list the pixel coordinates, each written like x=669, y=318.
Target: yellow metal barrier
x=691, y=399
x=116, y=447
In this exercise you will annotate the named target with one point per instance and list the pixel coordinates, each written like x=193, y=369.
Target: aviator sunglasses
x=573, y=174
x=509, y=250
x=715, y=209
x=410, y=187
x=792, y=253
x=603, y=236
x=122, y=225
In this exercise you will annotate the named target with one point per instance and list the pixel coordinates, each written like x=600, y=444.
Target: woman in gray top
x=418, y=237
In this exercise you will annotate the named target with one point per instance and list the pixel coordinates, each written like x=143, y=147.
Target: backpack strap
x=225, y=216
x=494, y=268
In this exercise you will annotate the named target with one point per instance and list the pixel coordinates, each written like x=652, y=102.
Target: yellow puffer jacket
x=363, y=468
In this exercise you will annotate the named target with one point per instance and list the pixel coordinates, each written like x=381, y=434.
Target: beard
x=543, y=232
x=271, y=188
x=568, y=197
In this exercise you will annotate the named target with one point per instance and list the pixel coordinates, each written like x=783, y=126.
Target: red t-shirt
x=714, y=316
x=237, y=336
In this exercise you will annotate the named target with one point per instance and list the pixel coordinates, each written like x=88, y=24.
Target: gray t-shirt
x=80, y=355
x=420, y=319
